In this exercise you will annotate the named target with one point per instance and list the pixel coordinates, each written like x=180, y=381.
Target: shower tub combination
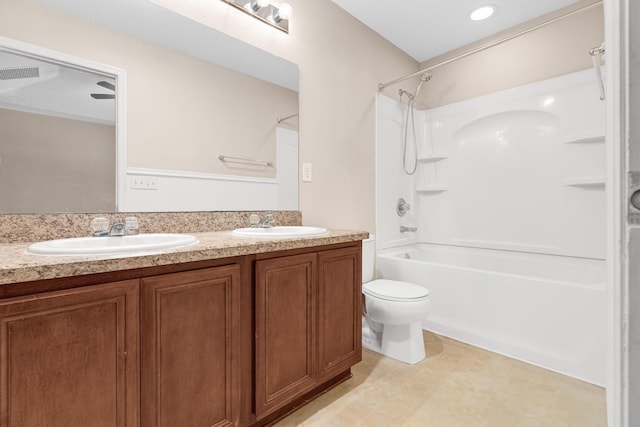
x=547, y=310
x=508, y=204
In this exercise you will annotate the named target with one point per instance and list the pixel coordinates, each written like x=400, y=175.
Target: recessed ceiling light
x=483, y=12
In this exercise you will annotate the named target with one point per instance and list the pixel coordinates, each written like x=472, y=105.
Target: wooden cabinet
x=226, y=342
x=285, y=330
x=308, y=323
x=339, y=310
x=70, y=358
x=190, y=348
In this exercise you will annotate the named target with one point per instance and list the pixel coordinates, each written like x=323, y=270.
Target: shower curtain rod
x=381, y=86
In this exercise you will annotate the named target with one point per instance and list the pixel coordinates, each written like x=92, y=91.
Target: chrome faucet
x=404, y=229
x=267, y=221
x=117, y=228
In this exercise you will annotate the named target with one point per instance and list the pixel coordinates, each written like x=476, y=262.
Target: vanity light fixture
x=482, y=12
x=255, y=5
x=276, y=16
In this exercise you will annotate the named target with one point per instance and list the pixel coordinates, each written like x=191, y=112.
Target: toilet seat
x=394, y=290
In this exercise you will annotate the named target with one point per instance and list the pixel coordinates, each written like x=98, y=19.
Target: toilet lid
x=395, y=290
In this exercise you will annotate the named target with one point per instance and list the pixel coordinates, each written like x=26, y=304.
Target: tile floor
x=456, y=385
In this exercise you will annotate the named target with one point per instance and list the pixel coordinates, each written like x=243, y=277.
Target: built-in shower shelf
x=431, y=189
x=435, y=157
x=585, y=139
x=585, y=181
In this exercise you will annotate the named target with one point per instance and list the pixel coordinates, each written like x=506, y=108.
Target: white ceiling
x=427, y=28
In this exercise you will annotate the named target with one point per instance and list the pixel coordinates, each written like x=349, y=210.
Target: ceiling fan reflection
x=105, y=85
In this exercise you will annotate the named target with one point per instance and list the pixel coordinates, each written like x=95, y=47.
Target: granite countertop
x=16, y=265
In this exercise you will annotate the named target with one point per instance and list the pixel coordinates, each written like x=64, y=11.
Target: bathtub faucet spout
x=404, y=229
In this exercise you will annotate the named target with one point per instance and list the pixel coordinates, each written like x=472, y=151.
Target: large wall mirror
x=203, y=121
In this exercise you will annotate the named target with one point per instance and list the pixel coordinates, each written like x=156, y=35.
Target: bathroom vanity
x=227, y=332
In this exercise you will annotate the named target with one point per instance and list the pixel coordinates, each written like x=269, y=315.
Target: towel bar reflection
x=230, y=159
x=282, y=119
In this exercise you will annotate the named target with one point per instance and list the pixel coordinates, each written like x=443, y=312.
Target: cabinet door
x=339, y=310
x=285, y=330
x=70, y=358
x=190, y=360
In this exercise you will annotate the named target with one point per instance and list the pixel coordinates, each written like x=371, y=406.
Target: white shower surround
x=518, y=171
x=524, y=170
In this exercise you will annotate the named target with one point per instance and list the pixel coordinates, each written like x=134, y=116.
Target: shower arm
x=402, y=92
x=382, y=86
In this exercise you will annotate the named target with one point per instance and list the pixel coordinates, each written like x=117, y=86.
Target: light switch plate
x=307, y=173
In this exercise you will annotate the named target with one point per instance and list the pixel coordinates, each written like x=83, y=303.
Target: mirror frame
x=16, y=47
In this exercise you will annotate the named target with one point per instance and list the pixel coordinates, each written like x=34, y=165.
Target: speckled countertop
x=16, y=265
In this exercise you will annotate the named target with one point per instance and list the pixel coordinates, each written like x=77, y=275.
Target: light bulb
x=256, y=5
x=285, y=11
x=483, y=12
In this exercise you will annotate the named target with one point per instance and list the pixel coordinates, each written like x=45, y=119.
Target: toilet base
x=400, y=342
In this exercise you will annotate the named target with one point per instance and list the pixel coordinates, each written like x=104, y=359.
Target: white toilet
x=393, y=312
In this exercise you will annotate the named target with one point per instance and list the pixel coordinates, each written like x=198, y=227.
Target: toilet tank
x=368, y=258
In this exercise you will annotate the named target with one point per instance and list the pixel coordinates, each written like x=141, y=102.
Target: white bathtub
x=544, y=309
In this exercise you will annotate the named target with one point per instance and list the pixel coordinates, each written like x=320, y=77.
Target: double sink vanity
x=232, y=329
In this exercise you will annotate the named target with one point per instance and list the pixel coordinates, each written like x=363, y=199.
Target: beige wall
x=554, y=50
x=52, y=164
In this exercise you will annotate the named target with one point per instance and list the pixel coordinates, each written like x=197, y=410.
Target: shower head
x=424, y=78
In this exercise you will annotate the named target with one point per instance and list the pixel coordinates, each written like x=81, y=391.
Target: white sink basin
x=112, y=245
x=283, y=231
